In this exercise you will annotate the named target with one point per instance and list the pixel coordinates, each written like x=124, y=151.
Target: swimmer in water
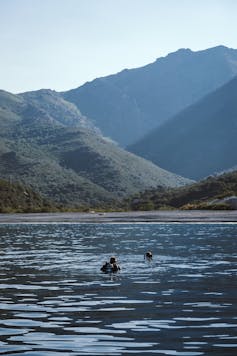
x=111, y=266
x=148, y=255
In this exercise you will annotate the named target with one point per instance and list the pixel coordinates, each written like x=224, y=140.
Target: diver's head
x=148, y=254
x=112, y=260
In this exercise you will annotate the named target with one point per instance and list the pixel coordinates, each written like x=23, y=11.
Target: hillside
x=199, y=141
x=48, y=145
x=17, y=198
x=128, y=105
x=211, y=193
x=62, y=111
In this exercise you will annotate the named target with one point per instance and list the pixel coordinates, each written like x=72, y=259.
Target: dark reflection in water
x=55, y=301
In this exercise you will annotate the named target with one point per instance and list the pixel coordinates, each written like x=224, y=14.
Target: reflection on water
x=55, y=300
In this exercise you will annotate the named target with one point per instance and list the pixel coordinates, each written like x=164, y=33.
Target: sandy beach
x=124, y=217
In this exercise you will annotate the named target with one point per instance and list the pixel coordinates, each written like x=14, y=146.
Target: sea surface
x=54, y=300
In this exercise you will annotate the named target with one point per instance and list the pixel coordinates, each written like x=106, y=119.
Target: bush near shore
x=209, y=193
x=15, y=197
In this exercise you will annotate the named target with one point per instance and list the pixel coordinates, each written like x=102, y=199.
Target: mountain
x=128, y=105
x=199, y=141
x=17, y=198
x=64, y=112
x=211, y=193
x=46, y=144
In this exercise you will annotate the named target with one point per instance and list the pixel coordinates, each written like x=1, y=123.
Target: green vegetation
x=207, y=194
x=47, y=145
x=16, y=198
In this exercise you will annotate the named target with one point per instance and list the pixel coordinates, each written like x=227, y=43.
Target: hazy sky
x=60, y=44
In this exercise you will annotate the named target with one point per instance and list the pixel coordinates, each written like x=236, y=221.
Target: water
x=55, y=301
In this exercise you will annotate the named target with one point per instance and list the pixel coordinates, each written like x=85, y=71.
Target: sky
x=61, y=44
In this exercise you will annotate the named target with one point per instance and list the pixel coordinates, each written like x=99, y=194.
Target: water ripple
x=55, y=300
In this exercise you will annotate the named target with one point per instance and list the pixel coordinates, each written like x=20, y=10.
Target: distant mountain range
x=178, y=112
x=128, y=105
x=48, y=145
x=200, y=140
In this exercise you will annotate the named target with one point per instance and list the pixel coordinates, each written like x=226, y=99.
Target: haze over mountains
x=128, y=105
x=200, y=140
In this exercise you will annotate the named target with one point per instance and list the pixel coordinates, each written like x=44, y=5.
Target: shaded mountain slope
x=66, y=159
x=127, y=105
x=199, y=141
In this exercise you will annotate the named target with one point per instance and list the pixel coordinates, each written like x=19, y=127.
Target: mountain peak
x=129, y=104
x=40, y=92
x=181, y=51
x=219, y=48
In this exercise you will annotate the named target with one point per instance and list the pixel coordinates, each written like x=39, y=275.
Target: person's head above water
x=112, y=260
x=148, y=254
x=111, y=266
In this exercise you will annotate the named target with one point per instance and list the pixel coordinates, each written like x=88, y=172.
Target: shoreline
x=173, y=216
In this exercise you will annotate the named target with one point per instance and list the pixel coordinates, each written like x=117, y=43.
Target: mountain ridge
x=198, y=141
x=127, y=105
